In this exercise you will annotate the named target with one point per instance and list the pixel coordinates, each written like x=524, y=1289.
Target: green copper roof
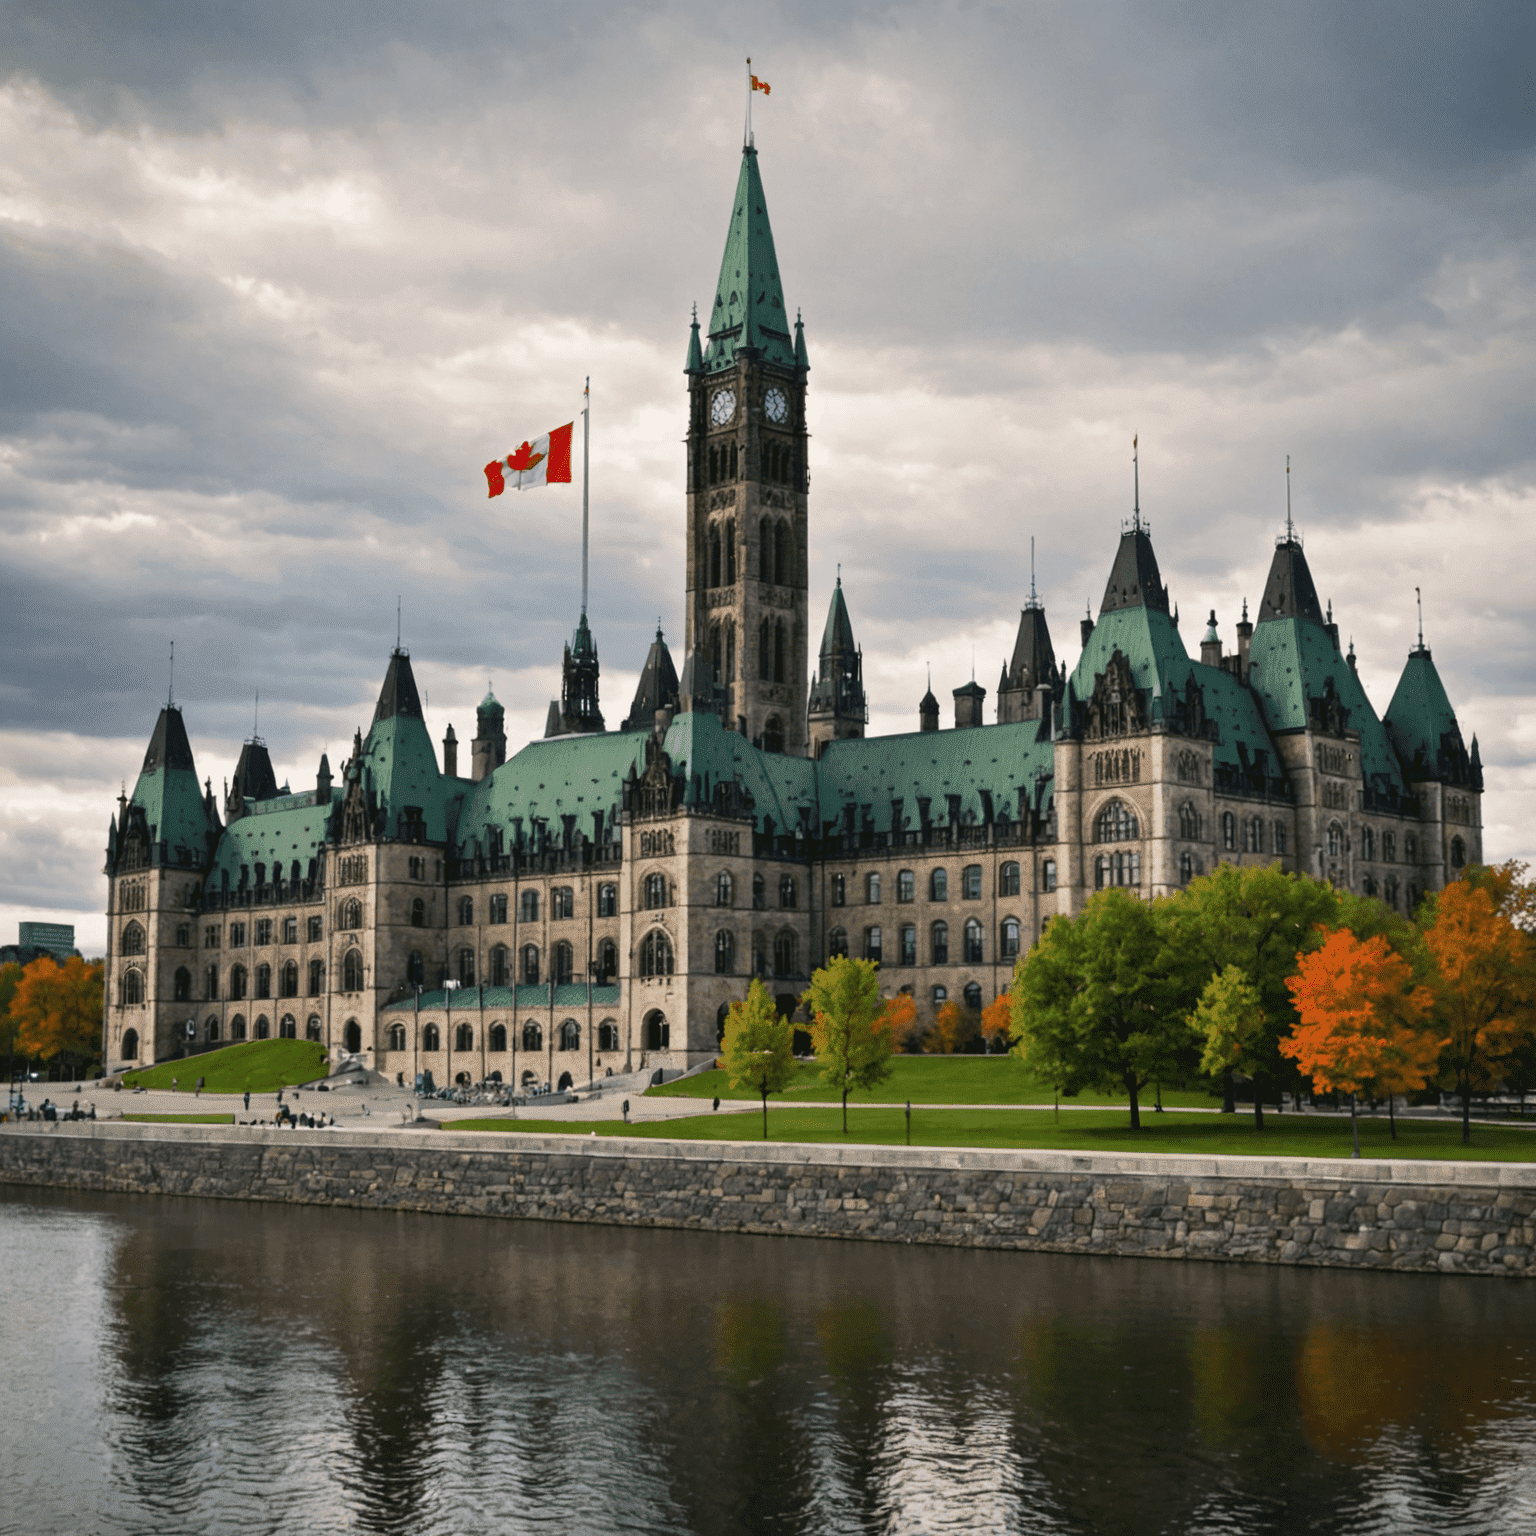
x=400, y=767
x=168, y=793
x=1421, y=722
x=748, y=308
x=275, y=834
x=695, y=363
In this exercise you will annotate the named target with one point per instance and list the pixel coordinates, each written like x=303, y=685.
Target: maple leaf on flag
x=524, y=458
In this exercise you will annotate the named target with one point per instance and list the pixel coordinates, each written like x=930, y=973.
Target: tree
x=954, y=1026
x=1257, y=918
x=1484, y=988
x=849, y=1028
x=1360, y=1015
x=1230, y=1021
x=758, y=1048
x=900, y=1021
x=10, y=979
x=1094, y=1004
x=57, y=1009
x=997, y=1023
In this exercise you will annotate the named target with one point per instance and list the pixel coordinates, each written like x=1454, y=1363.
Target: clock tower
x=747, y=606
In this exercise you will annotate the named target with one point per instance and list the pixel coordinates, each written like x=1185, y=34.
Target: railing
x=554, y=858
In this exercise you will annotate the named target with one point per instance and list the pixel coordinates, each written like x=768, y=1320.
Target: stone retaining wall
x=1465, y=1218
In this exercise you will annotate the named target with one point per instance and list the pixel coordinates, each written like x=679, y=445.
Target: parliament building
x=595, y=902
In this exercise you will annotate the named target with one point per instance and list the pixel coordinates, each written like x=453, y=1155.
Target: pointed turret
x=928, y=710
x=323, y=781
x=748, y=310
x=398, y=697
x=837, y=710
x=695, y=363
x=1289, y=592
x=1424, y=729
x=255, y=778
x=489, y=750
x=166, y=819
x=578, y=690
x=657, y=689
x=1134, y=580
x=802, y=357
x=1033, y=666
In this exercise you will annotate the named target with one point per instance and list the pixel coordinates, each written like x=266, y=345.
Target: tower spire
x=1136, y=473
x=1290, y=527
x=170, y=692
x=1418, y=597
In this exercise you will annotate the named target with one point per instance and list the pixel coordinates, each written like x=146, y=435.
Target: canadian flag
x=544, y=461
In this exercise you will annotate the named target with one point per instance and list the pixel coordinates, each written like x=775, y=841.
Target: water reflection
x=196, y=1366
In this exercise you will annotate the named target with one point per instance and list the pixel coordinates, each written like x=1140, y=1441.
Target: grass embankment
x=260, y=1065
x=1085, y=1131
x=931, y=1080
x=184, y=1119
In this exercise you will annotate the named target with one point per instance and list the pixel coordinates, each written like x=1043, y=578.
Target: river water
x=203, y=1366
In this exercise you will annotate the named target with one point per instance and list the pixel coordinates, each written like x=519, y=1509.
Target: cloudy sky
x=276, y=280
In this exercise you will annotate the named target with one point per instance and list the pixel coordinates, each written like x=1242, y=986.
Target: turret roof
x=398, y=696
x=657, y=688
x=1422, y=724
x=748, y=308
x=838, y=633
x=1134, y=580
x=1289, y=592
x=168, y=793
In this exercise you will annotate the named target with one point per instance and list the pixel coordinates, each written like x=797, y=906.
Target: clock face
x=775, y=406
x=722, y=407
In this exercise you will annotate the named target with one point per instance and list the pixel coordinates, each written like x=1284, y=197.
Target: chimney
x=969, y=698
x=451, y=754
x=1086, y=626
x=1244, y=643
x=1210, y=645
x=1043, y=705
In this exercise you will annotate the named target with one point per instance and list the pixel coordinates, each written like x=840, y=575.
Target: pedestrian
x=173, y=1085
x=279, y=1095
x=199, y=1092
x=247, y=1101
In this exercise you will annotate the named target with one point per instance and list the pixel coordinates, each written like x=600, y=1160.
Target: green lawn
x=931, y=1080
x=184, y=1119
x=1081, y=1131
x=263, y=1066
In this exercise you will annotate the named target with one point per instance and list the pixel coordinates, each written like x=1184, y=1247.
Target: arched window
x=725, y=952
x=839, y=890
x=211, y=983
x=728, y=539
x=1335, y=840
x=607, y=961
x=906, y=945
x=938, y=944
x=940, y=996
x=1189, y=822
x=501, y=966
x=1253, y=835
x=312, y=1027
x=973, y=997
x=562, y=902
x=498, y=912
x=657, y=1032
x=786, y=954
x=1388, y=847
x=181, y=989
x=352, y=971
x=570, y=1036
x=1229, y=831
x=1410, y=849
x=872, y=889
x=607, y=1036
x=397, y=1037
x=837, y=943
x=529, y=905
x=263, y=980
x=656, y=954
x=1117, y=823
x=778, y=650
x=782, y=556
x=288, y=1027
x=765, y=650
x=730, y=640
x=316, y=977
x=973, y=942
x=1279, y=835
x=418, y=913
x=463, y=1037
x=788, y=896
x=1390, y=890
x=237, y=1027
x=1368, y=885
x=1008, y=939
x=263, y=1027
x=1458, y=853
x=352, y=1036
x=211, y=1031
x=872, y=944
x=723, y=889
x=773, y=734
x=759, y=893
x=498, y=1037
x=533, y=1036
x=655, y=890
x=1048, y=874
x=1186, y=867
x=133, y=940
x=561, y=964
x=1368, y=844
x=430, y=1039
x=607, y=901
x=938, y=885
x=466, y=911
x=133, y=988
x=288, y=979
x=765, y=552
x=1117, y=869
x=714, y=556
x=906, y=885
x=236, y=982
x=349, y=916
x=970, y=883
x=466, y=967
x=716, y=653
x=1008, y=880
x=130, y=1045
x=530, y=965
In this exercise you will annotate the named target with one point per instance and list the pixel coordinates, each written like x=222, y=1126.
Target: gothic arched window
x=1335, y=840
x=236, y=982
x=973, y=997
x=725, y=952
x=1458, y=853
x=561, y=964
x=786, y=954
x=729, y=540
x=352, y=971
x=498, y=1037
x=1117, y=823
x=607, y=1036
x=133, y=988
x=1253, y=835
x=973, y=942
x=781, y=549
x=788, y=896
x=938, y=944
x=1189, y=822
x=714, y=556
x=1368, y=844
x=570, y=1036
x=837, y=943
x=655, y=890
x=530, y=965
x=656, y=954
x=765, y=550
x=607, y=960
x=316, y=977
x=351, y=914
x=1186, y=867
x=938, y=885
x=312, y=1027
x=397, y=1037
x=778, y=651
x=133, y=940
x=1008, y=880
x=723, y=889
x=263, y=980
x=1279, y=835
x=182, y=989
x=418, y=913
x=500, y=965
x=466, y=967
x=464, y=1037
x=430, y=1039
x=288, y=981
x=765, y=650
x=466, y=911
x=1229, y=831
x=1009, y=938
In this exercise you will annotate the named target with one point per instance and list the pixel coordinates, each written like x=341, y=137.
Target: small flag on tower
x=544, y=461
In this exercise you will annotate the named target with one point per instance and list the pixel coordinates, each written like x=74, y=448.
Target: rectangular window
x=290, y=930
x=908, y=945
x=607, y=901
x=316, y=932
x=211, y=936
x=263, y=930
x=872, y=941
x=184, y=935
x=499, y=908
x=1048, y=874
x=562, y=902
x=872, y=889
x=237, y=935
x=906, y=886
x=839, y=890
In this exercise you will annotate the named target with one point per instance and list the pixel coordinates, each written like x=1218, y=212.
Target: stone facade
x=1455, y=1218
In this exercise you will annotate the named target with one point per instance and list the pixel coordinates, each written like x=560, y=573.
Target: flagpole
x=586, y=435
x=747, y=138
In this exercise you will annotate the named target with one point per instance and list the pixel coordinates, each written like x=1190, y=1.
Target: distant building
x=57, y=938
x=599, y=899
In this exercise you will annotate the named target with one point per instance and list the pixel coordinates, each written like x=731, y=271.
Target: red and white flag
x=544, y=461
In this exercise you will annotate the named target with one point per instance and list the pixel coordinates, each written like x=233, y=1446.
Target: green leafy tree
x=850, y=1028
x=1257, y=918
x=1230, y=1022
x=1095, y=1003
x=758, y=1051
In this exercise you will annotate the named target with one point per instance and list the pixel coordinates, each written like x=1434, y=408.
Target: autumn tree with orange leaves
x=1485, y=988
x=1361, y=1021
x=997, y=1023
x=56, y=1010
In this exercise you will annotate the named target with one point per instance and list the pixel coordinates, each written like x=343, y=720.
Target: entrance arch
x=656, y=1033
x=353, y=1036
x=130, y=1045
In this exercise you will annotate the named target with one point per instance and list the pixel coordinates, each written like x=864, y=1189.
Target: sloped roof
x=168, y=744
x=838, y=632
x=1421, y=722
x=1034, y=658
x=398, y=696
x=255, y=777
x=1134, y=580
x=274, y=833
x=1289, y=592
x=657, y=688
x=167, y=790
x=400, y=767
x=748, y=308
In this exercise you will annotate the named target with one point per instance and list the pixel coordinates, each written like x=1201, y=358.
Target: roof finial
x=839, y=573
x=256, y=717
x=1136, y=472
x=1290, y=530
x=1419, y=598
x=1034, y=601
x=170, y=692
